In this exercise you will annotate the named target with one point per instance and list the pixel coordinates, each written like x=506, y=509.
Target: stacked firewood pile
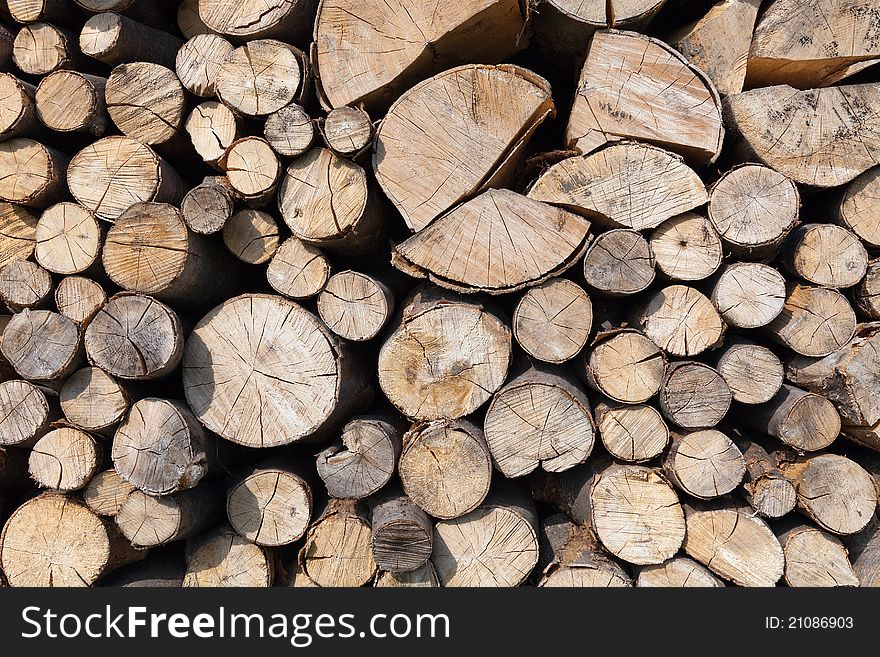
x=423, y=293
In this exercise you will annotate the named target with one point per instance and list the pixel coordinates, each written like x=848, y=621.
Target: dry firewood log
x=161, y=448
x=337, y=548
x=533, y=241
x=631, y=432
x=753, y=208
x=363, y=459
x=25, y=284
x=719, y=42
x=496, y=544
x=552, y=321
x=540, y=418
x=635, y=87
x=840, y=41
x=31, y=173
x=309, y=380
x=69, y=239
x=491, y=137
x=149, y=521
x=26, y=411
x=658, y=185
x=814, y=557
x=55, y=540
x=704, y=464
x=800, y=419
x=820, y=137
x=570, y=556
x=370, y=52
x=93, y=400
x=753, y=373
x=733, y=543
x=114, y=39
x=428, y=374
x=445, y=467
x=765, y=487
x=221, y=558
x=857, y=209
x=619, y=263
x=106, y=492
x=135, y=337
x=79, y=298
x=269, y=504
x=298, y=270
x=834, y=491
x=113, y=173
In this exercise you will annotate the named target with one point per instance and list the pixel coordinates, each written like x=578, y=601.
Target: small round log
x=815, y=558
x=704, y=464
x=31, y=174
x=825, y=255
x=800, y=419
x=146, y=102
x=25, y=412
x=79, y=298
x=445, y=467
x=41, y=48
x=814, y=321
x=251, y=236
x=337, y=548
x=686, y=248
x=69, y=101
x=290, y=130
x=363, y=460
x=68, y=239
x=636, y=514
x=270, y=506
x=25, y=284
x=113, y=173
x=552, y=321
x=209, y=205
x=753, y=208
x=298, y=270
x=42, y=345
x=161, y=448
x=106, y=493
x=348, y=131
x=18, y=229
x=149, y=521
x=748, y=294
x=694, y=395
x=199, y=61
x=65, y=459
x=753, y=372
x=401, y=533
x=135, y=337
x=212, y=128
x=326, y=200
x=680, y=320
x=260, y=77
x=355, y=306
x=765, y=487
x=634, y=433
x=430, y=375
x=92, y=400
x=541, y=418
x=496, y=544
x=222, y=558
x=625, y=366
x=17, y=107
x=252, y=169
x=114, y=39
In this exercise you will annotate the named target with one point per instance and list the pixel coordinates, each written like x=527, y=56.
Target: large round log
x=262, y=397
